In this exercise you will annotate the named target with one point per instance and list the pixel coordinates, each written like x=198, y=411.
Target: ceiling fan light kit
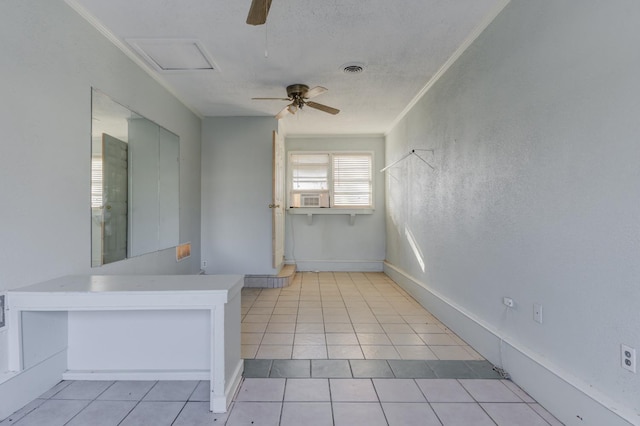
x=298, y=94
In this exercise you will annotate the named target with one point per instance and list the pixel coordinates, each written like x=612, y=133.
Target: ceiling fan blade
x=283, y=113
x=318, y=90
x=258, y=12
x=321, y=107
x=271, y=99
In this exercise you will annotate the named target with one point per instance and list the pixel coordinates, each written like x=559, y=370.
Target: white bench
x=210, y=302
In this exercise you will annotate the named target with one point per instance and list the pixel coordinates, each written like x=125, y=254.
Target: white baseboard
x=20, y=389
x=220, y=403
x=232, y=385
x=567, y=397
x=136, y=375
x=340, y=265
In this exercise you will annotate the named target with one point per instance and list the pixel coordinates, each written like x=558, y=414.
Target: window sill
x=310, y=211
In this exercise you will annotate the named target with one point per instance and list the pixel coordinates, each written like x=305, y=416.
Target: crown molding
x=452, y=59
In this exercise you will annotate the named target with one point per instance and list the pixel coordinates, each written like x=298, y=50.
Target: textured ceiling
x=401, y=43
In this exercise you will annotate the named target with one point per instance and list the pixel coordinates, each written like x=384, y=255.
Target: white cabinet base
x=116, y=330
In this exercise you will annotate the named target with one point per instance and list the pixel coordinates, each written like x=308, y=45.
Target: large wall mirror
x=135, y=176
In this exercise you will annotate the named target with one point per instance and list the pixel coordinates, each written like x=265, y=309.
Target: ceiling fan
x=258, y=12
x=298, y=95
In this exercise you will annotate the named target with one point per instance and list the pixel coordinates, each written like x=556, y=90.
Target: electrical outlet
x=507, y=301
x=628, y=358
x=537, y=312
x=204, y=264
x=2, y=316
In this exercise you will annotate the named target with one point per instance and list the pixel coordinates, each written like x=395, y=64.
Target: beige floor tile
x=313, y=318
x=438, y=339
x=277, y=339
x=309, y=339
x=378, y=303
x=416, y=319
x=251, y=338
x=451, y=352
x=405, y=339
x=474, y=355
x=332, y=304
x=285, y=304
x=373, y=339
x=428, y=328
x=390, y=319
x=337, y=318
x=457, y=339
x=282, y=318
x=310, y=304
x=356, y=304
x=341, y=339
x=248, y=351
x=338, y=327
x=260, y=311
x=274, y=352
x=249, y=327
x=384, y=311
x=288, y=298
x=360, y=310
x=264, y=304
x=364, y=319
x=309, y=352
x=257, y=318
x=310, y=327
x=397, y=328
x=277, y=327
x=367, y=328
x=345, y=352
x=380, y=352
x=416, y=352
x=285, y=311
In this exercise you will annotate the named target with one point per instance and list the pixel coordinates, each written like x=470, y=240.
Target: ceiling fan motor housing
x=297, y=90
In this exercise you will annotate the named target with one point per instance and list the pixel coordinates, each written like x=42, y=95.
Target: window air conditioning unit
x=310, y=199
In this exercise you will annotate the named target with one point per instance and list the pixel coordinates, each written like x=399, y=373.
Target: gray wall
x=237, y=169
x=330, y=243
x=535, y=194
x=49, y=59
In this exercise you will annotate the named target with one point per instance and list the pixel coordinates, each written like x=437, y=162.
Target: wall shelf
x=310, y=211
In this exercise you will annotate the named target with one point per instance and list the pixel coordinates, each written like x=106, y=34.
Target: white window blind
x=331, y=179
x=351, y=180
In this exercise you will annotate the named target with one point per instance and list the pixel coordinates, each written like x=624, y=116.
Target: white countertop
x=135, y=283
x=89, y=292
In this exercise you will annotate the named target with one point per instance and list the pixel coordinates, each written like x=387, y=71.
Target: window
x=331, y=179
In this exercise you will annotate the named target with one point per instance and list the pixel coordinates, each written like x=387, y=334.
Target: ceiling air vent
x=353, y=68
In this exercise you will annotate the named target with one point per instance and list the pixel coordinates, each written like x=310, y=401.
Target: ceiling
x=401, y=45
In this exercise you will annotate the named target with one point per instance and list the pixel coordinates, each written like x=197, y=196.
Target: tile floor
x=331, y=349
x=332, y=315
x=288, y=401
